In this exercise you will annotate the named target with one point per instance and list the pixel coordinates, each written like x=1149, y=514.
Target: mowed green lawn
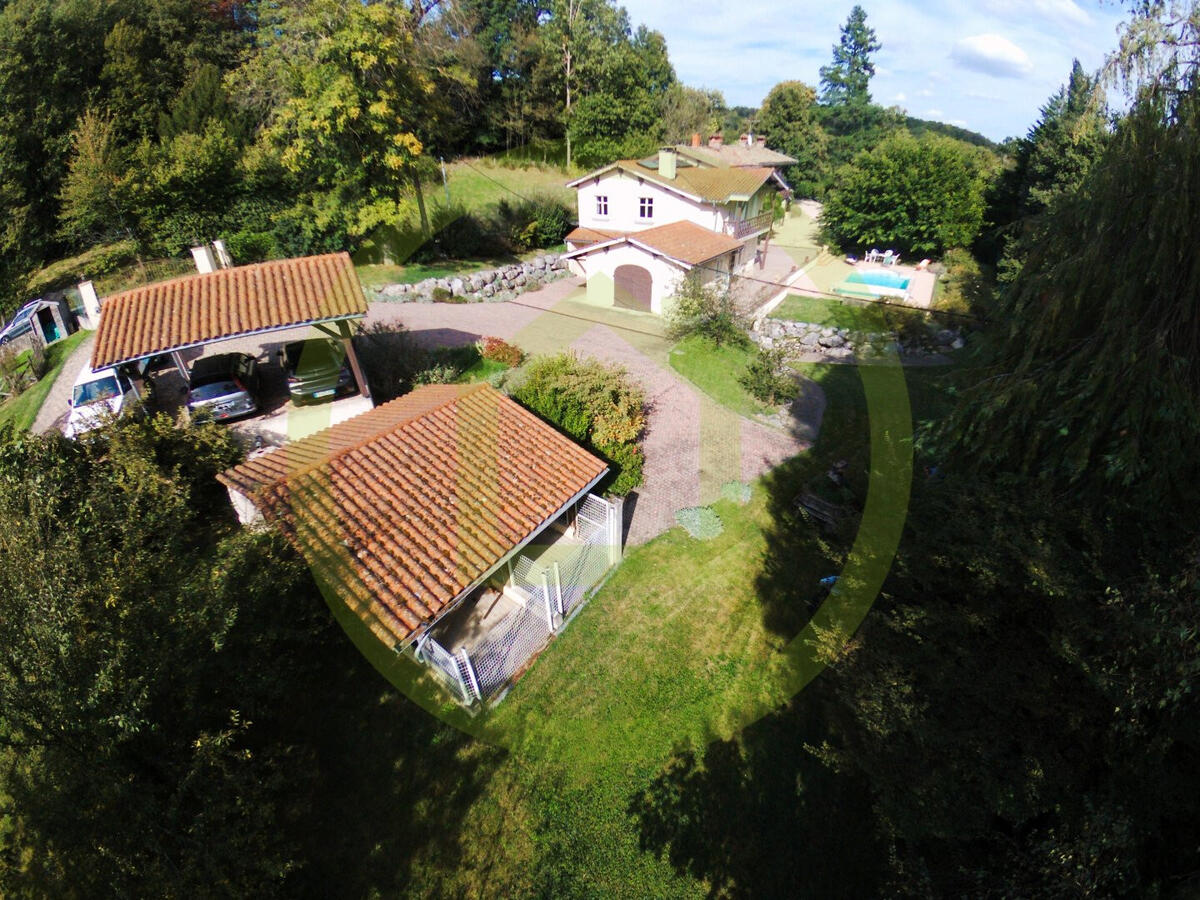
x=868, y=317
x=21, y=411
x=480, y=184
x=678, y=649
x=716, y=370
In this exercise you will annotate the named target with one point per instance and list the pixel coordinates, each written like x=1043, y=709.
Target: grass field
x=680, y=649
x=838, y=314
x=480, y=184
x=21, y=411
x=716, y=372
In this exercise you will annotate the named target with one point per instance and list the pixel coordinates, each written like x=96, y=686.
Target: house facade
x=646, y=224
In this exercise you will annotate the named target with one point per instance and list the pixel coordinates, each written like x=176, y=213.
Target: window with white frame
x=602, y=205
x=645, y=207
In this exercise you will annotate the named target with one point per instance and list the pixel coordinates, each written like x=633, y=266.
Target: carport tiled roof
x=404, y=508
x=687, y=241
x=198, y=309
x=684, y=241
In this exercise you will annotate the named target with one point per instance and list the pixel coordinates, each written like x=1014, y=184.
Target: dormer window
x=602, y=205
x=645, y=207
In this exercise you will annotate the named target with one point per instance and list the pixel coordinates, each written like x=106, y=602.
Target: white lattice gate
x=454, y=669
x=549, y=594
x=509, y=646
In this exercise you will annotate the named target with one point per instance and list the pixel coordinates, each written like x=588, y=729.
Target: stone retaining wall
x=490, y=285
x=841, y=343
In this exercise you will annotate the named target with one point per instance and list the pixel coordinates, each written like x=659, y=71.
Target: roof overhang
x=245, y=301
x=511, y=554
x=312, y=323
x=633, y=242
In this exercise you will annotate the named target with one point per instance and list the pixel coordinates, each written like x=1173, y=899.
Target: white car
x=98, y=397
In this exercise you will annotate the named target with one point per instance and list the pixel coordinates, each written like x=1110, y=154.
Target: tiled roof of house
x=403, y=508
x=197, y=309
x=582, y=235
x=737, y=155
x=687, y=241
x=684, y=241
x=715, y=185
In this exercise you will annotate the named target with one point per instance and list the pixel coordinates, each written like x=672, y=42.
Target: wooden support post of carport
x=352, y=357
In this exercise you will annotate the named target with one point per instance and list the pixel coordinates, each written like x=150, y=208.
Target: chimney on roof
x=760, y=141
x=696, y=139
x=666, y=162
x=746, y=140
x=91, y=305
x=716, y=141
x=223, y=256
x=203, y=256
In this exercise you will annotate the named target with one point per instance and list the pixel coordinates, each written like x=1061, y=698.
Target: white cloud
x=1065, y=12
x=992, y=55
x=899, y=98
x=961, y=123
x=934, y=113
x=924, y=92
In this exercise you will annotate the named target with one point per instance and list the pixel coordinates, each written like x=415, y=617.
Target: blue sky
x=987, y=65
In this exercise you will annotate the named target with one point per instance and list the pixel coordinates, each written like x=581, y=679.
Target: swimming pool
x=878, y=278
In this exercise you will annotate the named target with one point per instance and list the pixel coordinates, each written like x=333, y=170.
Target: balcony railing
x=745, y=227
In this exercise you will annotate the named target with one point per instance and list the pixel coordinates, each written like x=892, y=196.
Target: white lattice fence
x=592, y=520
x=449, y=667
x=580, y=572
x=510, y=645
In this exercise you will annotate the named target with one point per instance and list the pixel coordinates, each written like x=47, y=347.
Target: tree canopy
x=916, y=195
x=846, y=80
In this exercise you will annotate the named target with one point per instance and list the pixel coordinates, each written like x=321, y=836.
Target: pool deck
x=920, y=281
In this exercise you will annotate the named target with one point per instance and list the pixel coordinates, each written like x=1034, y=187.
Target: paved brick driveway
x=692, y=444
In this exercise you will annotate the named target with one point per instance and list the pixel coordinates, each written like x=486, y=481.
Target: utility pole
x=445, y=182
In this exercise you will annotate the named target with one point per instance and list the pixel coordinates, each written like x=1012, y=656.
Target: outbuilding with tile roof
x=425, y=504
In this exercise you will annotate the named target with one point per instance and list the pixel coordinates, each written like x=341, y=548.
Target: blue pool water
x=879, y=279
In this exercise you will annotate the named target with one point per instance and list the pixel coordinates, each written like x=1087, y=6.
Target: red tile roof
x=404, y=508
x=714, y=185
x=684, y=241
x=687, y=241
x=197, y=309
x=583, y=235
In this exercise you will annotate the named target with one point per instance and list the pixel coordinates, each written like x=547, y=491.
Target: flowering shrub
x=502, y=351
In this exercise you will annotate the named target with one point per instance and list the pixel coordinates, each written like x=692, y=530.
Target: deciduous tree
x=916, y=196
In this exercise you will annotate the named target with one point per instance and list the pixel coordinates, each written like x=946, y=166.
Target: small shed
x=452, y=521
x=52, y=319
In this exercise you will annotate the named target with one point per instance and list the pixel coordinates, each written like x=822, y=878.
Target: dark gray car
x=224, y=387
x=316, y=370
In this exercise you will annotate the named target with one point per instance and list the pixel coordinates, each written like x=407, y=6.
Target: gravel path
x=692, y=444
x=53, y=413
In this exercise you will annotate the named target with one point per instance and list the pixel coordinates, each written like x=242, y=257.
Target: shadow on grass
x=761, y=816
x=390, y=785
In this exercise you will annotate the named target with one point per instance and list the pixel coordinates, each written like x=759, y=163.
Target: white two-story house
x=645, y=224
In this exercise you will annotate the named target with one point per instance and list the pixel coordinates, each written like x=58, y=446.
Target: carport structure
x=196, y=310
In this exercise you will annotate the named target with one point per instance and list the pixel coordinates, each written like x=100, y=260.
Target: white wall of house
x=624, y=192
x=599, y=268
